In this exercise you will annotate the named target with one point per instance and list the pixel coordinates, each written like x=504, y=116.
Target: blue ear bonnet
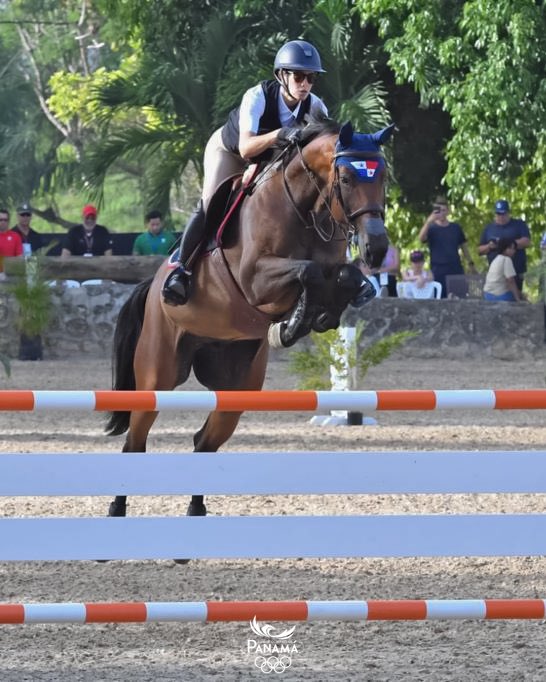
x=361, y=152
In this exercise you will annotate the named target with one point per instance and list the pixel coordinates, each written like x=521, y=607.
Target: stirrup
x=177, y=287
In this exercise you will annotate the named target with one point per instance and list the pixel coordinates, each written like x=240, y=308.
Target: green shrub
x=328, y=350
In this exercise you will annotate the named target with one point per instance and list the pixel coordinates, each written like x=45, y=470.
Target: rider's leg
x=219, y=163
x=176, y=289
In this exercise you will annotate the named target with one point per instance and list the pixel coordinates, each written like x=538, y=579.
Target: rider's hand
x=288, y=136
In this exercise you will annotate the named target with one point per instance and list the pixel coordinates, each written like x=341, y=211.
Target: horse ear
x=384, y=135
x=346, y=134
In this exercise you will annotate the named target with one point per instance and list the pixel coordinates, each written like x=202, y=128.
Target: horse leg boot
x=285, y=334
x=177, y=287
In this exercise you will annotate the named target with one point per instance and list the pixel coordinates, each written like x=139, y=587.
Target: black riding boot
x=177, y=287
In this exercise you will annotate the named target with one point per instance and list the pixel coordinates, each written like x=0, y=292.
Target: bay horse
x=281, y=272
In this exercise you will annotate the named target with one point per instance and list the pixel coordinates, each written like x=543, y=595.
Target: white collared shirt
x=253, y=107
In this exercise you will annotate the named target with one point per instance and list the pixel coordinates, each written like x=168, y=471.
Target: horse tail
x=127, y=332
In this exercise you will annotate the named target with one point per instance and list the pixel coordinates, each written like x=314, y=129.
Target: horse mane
x=318, y=124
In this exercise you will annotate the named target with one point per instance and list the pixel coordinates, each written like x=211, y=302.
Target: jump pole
x=308, y=611
x=281, y=401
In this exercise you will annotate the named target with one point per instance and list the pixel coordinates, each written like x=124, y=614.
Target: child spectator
x=417, y=273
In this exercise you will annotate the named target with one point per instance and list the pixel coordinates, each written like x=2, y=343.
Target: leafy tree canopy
x=484, y=61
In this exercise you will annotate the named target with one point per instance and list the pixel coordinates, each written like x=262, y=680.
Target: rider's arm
x=251, y=110
x=252, y=145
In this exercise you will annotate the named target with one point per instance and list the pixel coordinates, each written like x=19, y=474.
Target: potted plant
x=33, y=296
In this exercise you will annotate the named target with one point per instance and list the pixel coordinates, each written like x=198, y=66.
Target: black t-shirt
x=81, y=243
x=33, y=238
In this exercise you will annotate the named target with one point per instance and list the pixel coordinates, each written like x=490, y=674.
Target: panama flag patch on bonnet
x=365, y=169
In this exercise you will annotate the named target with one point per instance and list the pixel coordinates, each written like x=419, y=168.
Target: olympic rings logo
x=273, y=664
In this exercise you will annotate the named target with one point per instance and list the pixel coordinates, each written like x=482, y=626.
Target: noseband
x=347, y=226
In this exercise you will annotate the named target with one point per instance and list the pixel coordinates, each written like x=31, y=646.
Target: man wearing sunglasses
x=270, y=115
x=32, y=240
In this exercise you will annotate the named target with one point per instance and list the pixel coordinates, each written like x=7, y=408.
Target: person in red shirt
x=10, y=241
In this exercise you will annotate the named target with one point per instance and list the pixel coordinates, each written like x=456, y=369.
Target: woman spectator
x=387, y=273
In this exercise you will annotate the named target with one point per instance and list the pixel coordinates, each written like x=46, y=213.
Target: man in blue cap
x=506, y=227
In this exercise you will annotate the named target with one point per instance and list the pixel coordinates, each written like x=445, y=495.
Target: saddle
x=225, y=202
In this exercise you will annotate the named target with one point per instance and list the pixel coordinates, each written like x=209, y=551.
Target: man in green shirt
x=156, y=240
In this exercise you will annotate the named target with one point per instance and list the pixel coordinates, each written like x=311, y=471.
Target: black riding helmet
x=298, y=55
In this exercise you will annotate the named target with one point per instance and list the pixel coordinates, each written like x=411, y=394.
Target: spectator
x=509, y=228
x=387, y=273
x=500, y=282
x=417, y=273
x=156, y=240
x=444, y=239
x=88, y=239
x=10, y=241
x=32, y=240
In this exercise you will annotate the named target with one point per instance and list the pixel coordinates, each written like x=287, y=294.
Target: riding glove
x=288, y=136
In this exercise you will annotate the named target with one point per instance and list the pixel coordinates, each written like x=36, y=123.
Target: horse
x=279, y=273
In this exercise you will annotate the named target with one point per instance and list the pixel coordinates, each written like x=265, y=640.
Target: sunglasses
x=300, y=76
x=25, y=214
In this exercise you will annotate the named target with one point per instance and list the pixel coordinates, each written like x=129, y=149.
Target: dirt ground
x=432, y=651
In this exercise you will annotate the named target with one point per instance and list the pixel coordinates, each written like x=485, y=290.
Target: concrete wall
x=457, y=329
x=85, y=318
x=83, y=322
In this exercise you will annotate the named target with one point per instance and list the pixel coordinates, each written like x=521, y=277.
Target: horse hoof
x=324, y=322
x=193, y=510
x=116, y=509
x=196, y=510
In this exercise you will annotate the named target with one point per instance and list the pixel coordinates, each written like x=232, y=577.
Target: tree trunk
x=126, y=269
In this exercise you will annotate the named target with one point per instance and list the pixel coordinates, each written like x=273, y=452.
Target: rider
x=270, y=114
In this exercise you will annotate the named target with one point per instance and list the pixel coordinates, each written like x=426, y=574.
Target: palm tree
x=179, y=96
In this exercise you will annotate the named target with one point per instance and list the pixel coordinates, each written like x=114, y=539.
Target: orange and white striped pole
x=229, y=611
x=281, y=401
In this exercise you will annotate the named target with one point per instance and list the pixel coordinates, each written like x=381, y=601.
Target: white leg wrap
x=274, y=335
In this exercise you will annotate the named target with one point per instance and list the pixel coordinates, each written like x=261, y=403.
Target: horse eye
x=345, y=180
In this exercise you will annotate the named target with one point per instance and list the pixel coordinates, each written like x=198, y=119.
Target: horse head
x=359, y=184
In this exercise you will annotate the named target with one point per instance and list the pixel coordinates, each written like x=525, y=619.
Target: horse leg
x=153, y=371
x=286, y=333
x=225, y=370
x=348, y=285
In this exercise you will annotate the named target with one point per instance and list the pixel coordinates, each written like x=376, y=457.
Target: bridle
x=346, y=226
